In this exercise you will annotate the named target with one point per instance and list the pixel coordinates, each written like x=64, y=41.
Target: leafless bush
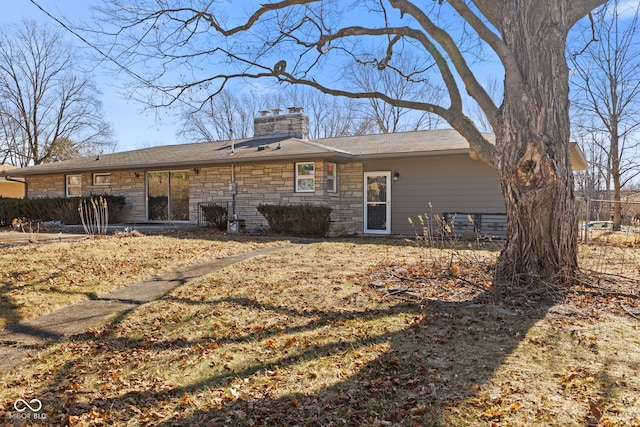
x=94, y=215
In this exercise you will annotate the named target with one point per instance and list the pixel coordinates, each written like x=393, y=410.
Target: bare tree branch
x=44, y=103
x=607, y=96
x=312, y=43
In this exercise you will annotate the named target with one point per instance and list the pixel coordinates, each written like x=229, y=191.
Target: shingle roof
x=260, y=150
x=402, y=143
x=4, y=168
x=392, y=145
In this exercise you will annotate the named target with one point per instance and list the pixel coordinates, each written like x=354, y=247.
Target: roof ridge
x=325, y=147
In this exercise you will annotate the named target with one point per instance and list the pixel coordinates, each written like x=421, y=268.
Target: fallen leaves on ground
x=39, y=278
x=300, y=338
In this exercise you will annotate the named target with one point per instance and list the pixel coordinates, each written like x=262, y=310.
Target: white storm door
x=377, y=202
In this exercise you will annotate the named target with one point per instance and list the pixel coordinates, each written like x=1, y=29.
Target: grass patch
x=299, y=337
x=39, y=278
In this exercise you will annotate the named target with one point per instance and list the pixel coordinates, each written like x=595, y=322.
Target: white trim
x=311, y=177
x=67, y=186
x=333, y=177
x=387, y=202
x=101, y=184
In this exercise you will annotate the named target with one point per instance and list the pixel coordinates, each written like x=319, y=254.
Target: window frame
x=68, y=186
x=102, y=184
x=311, y=177
x=332, y=177
x=171, y=199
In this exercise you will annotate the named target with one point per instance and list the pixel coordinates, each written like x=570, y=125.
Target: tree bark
x=533, y=137
x=616, y=177
x=614, y=162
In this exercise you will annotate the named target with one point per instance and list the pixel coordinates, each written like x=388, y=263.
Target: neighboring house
x=374, y=183
x=10, y=188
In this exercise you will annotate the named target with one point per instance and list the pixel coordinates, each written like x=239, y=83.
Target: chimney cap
x=264, y=112
x=295, y=109
x=276, y=111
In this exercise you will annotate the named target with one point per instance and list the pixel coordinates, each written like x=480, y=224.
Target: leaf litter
x=302, y=337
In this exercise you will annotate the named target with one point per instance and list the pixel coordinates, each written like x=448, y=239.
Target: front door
x=377, y=202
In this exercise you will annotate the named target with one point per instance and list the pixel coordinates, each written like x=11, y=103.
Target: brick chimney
x=270, y=124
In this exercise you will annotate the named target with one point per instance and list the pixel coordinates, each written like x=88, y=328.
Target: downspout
x=233, y=224
x=233, y=187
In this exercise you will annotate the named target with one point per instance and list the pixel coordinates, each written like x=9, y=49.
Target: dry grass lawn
x=39, y=278
x=373, y=332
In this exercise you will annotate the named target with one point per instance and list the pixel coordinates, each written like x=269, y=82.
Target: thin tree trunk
x=615, y=176
x=535, y=168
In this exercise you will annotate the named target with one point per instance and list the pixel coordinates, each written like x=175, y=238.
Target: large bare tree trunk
x=535, y=166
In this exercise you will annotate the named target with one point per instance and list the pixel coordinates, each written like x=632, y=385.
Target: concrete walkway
x=15, y=238
x=29, y=337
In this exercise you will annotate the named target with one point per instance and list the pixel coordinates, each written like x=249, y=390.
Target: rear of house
x=373, y=183
x=440, y=186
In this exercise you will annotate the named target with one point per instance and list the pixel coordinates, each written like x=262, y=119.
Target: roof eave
x=375, y=156
x=180, y=165
x=578, y=160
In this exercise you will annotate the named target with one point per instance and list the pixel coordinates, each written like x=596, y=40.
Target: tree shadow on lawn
x=10, y=310
x=8, y=307
x=441, y=356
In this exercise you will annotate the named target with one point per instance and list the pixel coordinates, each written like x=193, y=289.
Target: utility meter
x=233, y=188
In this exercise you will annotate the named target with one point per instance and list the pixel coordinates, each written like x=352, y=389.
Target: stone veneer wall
x=45, y=186
x=351, y=192
x=294, y=125
x=122, y=183
x=257, y=184
x=274, y=184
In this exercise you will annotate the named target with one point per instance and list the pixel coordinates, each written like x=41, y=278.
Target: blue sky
x=133, y=127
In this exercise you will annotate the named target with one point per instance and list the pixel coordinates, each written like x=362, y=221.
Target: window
x=101, y=179
x=168, y=196
x=74, y=185
x=332, y=175
x=305, y=177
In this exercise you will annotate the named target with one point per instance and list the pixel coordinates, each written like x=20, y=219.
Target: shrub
x=10, y=209
x=68, y=212
x=278, y=217
x=215, y=215
x=301, y=220
x=54, y=209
